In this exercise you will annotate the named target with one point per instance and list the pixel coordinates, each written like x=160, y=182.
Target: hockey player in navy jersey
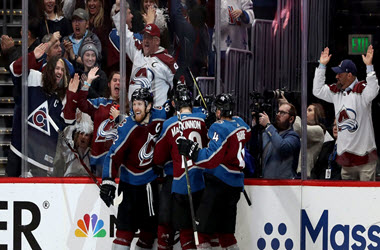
x=194, y=128
x=133, y=151
x=224, y=162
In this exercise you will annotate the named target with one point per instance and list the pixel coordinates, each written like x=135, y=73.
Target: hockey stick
x=201, y=95
x=188, y=184
x=75, y=152
x=196, y=85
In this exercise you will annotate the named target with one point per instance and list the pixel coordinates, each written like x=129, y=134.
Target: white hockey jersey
x=234, y=32
x=356, y=138
x=155, y=72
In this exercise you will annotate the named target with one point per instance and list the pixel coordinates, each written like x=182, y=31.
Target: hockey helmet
x=225, y=103
x=182, y=97
x=142, y=94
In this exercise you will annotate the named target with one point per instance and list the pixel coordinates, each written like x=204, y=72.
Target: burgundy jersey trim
x=359, y=87
x=348, y=159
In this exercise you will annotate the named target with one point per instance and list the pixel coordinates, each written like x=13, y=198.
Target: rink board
x=68, y=214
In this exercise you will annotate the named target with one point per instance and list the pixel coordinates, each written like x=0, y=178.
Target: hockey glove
x=188, y=148
x=107, y=191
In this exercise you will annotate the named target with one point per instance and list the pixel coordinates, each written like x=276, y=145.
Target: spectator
x=74, y=42
x=224, y=179
x=12, y=52
x=280, y=144
x=191, y=38
x=103, y=112
x=315, y=134
x=132, y=152
x=89, y=54
x=178, y=214
x=356, y=151
x=53, y=50
x=236, y=17
x=52, y=19
x=326, y=167
x=113, y=44
x=73, y=159
x=46, y=92
x=99, y=23
x=152, y=67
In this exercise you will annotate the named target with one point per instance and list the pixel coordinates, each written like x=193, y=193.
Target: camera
x=260, y=103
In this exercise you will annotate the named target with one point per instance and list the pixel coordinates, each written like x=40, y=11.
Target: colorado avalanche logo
x=347, y=120
x=143, y=77
x=106, y=131
x=38, y=118
x=147, y=150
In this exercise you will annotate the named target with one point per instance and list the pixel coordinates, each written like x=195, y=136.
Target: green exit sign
x=358, y=44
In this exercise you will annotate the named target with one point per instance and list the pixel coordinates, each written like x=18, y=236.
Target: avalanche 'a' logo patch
x=106, y=131
x=142, y=77
x=38, y=118
x=347, y=120
x=147, y=150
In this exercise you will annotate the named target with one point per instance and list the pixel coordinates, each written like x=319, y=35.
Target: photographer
x=280, y=143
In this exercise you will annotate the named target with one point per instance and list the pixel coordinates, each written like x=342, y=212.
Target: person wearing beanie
x=73, y=43
x=89, y=54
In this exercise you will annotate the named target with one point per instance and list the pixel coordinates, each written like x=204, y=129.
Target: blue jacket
x=280, y=153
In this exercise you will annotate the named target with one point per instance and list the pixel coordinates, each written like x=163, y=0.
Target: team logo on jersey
x=147, y=150
x=143, y=77
x=347, y=120
x=106, y=131
x=38, y=118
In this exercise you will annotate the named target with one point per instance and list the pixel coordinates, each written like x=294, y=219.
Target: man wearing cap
x=153, y=67
x=74, y=43
x=352, y=101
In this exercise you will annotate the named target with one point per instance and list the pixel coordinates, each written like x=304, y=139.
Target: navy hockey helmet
x=182, y=97
x=225, y=103
x=142, y=94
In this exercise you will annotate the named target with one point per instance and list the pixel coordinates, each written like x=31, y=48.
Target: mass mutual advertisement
x=286, y=216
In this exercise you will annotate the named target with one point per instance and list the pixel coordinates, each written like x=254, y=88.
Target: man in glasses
x=281, y=144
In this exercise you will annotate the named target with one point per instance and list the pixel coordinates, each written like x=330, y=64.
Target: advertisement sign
x=72, y=216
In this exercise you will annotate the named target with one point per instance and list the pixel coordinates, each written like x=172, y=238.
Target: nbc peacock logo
x=90, y=226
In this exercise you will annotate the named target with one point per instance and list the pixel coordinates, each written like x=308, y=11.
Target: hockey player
x=194, y=128
x=224, y=160
x=133, y=151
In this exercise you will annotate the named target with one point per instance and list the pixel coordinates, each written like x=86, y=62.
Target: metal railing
x=238, y=79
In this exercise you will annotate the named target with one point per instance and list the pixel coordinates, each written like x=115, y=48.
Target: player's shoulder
x=198, y=115
x=170, y=122
x=158, y=112
x=240, y=122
